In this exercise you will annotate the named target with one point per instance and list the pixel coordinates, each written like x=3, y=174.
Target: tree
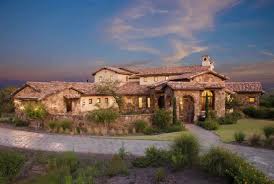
x=174, y=120
x=109, y=87
x=6, y=103
x=232, y=103
x=105, y=116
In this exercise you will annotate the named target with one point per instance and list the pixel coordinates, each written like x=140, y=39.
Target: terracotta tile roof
x=244, y=86
x=116, y=70
x=172, y=70
x=134, y=88
x=195, y=85
x=191, y=75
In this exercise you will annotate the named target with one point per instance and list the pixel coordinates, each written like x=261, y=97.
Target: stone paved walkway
x=261, y=158
x=84, y=144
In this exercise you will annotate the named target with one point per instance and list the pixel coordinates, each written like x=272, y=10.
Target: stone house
x=143, y=91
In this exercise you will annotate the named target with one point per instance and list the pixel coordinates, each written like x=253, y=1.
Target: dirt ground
x=35, y=166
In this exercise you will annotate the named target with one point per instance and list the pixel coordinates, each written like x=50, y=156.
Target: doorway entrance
x=187, y=110
x=161, y=102
x=69, y=105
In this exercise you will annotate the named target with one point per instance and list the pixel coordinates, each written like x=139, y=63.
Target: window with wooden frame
x=90, y=101
x=83, y=103
x=167, y=77
x=148, y=102
x=140, y=104
x=251, y=100
x=98, y=100
x=155, y=79
x=145, y=79
x=210, y=96
x=106, y=100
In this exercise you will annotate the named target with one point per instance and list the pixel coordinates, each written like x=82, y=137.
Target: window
x=126, y=78
x=155, y=79
x=106, y=100
x=98, y=100
x=130, y=101
x=167, y=77
x=90, y=101
x=100, y=78
x=251, y=100
x=148, y=102
x=145, y=79
x=83, y=103
x=140, y=102
x=209, y=95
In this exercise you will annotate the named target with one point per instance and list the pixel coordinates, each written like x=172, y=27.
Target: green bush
x=175, y=128
x=161, y=119
x=254, y=139
x=153, y=157
x=177, y=160
x=268, y=131
x=231, y=118
x=65, y=160
x=105, y=116
x=65, y=124
x=187, y=146
x=151, y=130
x=160, y=175
x=10, y=164
x=239, y=137
x=19, y=123
x=140, y=125
x=221, y=162
x=35, y=111
x=209, y=124
x=261, y=113
x=117, y=166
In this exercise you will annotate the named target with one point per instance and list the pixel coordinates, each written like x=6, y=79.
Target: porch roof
x=244, y=87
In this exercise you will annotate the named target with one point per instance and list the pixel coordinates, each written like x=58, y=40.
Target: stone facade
x=246, y=99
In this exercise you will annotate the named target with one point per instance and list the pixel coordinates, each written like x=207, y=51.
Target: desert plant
x=161, y=118
x=231, y=118
x=151, y=130
x=239, y=136
x=10, y=164
x=178, y=160
x=140, y=125
x=105, y=116
x=122, y=153
x=254, y=139
x=19, y=122
x=209, y=124
x=160, y=175
x=174, y=128
x=268, y=131
x=221, y=162
x=66, y=124
x=117, y=166
x=187, y=145
x=67, y=160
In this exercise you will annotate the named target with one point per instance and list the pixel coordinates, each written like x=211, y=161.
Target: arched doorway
x=187, y=109
x=161, y=102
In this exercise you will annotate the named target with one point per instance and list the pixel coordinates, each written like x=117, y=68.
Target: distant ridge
x=14, y=83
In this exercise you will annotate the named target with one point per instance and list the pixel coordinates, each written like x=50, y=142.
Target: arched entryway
x=187, y=109
x=161, y=102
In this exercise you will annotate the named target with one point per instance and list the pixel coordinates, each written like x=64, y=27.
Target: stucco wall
x=207, y=78
x=86, y=106
x=150, y=80
x=107, y=75
x=131, y=104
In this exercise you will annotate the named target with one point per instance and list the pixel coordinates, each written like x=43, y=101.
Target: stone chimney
x=207, y=61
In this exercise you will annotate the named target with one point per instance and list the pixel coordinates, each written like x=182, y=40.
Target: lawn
x=248, y=126
x=159, y=137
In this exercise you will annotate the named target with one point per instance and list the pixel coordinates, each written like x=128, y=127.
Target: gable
x=208, y=77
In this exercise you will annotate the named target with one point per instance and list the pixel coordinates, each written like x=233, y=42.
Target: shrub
x=65, y=160
x=177, y=160
x=160, y=175
x=187, y=146
x=10, y=164
x=268, y=131
x=209, y=124
x=175, y=128
x=254, y=140
x=270, y=141
x=19, y=123
x=122, y=153
x=153, y=157
x=263, y=113
x=105, y=116
x=66, y=124
x=150, y=131
x=161, y=119
x=231, y=118
x=140, y=125
x=239, y=137
x=35, y=111
x=117, y=166
x=52, y=125
x=221, y=162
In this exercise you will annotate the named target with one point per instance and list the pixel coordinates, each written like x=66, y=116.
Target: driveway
x=261, y=158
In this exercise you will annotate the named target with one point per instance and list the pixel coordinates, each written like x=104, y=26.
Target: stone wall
x=131, y=104
x=219, y=102
x=207, y=78
x=243, y=98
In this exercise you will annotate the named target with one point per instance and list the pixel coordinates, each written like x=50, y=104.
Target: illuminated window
x=148, y=102
x=167, y=77
x=90, y=101
x=155, y=79
x=106, y=100
x=98, y=100
x=140, y=102
x=145, y=79
x=209, y=95
x=251, y=99
x=100, y=78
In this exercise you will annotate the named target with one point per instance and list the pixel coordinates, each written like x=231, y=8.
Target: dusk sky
x=68, y=39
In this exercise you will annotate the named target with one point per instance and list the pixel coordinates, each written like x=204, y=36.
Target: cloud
x=182, y=20
x=181, y=51
x=267, y=53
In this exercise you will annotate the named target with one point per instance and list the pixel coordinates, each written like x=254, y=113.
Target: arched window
x=210, y=97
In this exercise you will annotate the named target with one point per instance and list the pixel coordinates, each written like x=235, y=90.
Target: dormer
x=207, y=61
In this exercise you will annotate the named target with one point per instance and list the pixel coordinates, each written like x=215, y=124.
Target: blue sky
x=68, y=39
